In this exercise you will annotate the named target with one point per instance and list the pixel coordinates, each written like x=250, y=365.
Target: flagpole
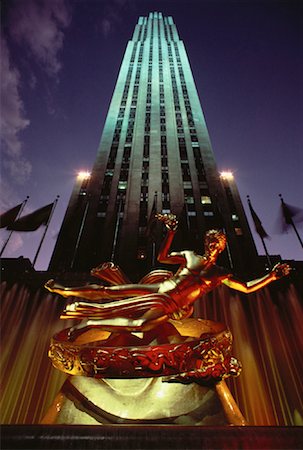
x=228, y=251
x=291, y=222
x=45, y=231
x=186, y=215
x=222, y=225
x=79, y=234
x=10, y=234
x=116, y=228
x=266, y=253
x=154, y=243
x=261, y=237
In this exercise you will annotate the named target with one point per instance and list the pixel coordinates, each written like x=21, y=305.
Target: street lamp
x=227, y=175
x=83, y=175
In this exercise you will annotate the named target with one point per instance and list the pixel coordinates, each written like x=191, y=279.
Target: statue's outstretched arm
x=171, y=223
x=279, y=271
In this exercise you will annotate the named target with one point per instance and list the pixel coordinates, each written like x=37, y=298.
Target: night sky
x=60, y=60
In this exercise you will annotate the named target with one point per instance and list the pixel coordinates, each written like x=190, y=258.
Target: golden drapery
x=267, y=340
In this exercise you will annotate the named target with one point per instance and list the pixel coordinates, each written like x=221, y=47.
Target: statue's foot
x=103, y=268
x=52, y=286
x=49, y=285
x=97, y=270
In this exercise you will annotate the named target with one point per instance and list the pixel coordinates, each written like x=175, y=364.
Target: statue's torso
x=193, y=280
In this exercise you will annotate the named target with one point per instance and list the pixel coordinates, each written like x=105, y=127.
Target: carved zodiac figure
x=141, y=307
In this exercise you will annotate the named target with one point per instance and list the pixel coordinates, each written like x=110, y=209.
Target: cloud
x=8, y=200
x=39, y=26
x=36, y=25
x=113, y=15
x=13, y=120
x=15, y=243
x=106, y=26
x=32, y=81
x=19, y=169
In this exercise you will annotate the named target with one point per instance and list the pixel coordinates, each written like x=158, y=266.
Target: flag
x=9, y=217
x=257, y=222
x=33, y=221
x=152, y=222
x=290, y=214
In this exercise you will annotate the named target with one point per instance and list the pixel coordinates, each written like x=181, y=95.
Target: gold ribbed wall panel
x=28, y=381
x=267, y=330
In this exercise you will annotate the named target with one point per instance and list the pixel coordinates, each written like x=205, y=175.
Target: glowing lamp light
x=227, y=175
x=83, y=175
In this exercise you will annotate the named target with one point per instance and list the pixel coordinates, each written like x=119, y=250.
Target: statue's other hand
x=169, y=220
x=281, y=270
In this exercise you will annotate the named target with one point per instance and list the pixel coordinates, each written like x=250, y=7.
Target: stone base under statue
x=176, y=376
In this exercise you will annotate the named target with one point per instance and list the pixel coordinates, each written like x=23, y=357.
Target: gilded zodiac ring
x=206, y=359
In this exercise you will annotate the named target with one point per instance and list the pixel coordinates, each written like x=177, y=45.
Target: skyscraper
x=154, y=155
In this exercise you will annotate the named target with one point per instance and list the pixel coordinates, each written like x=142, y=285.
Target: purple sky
x=60, y=60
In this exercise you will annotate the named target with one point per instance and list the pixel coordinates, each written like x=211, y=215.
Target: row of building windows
x=109, y=172
x=185, y=169
x=168, y=29
x=124, y=171
x=145, y=163
x=165, y=197
x=203, y=185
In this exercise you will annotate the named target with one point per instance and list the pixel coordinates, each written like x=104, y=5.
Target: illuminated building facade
x=154, y=155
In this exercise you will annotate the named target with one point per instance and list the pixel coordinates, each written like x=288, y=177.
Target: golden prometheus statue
x=138, y=331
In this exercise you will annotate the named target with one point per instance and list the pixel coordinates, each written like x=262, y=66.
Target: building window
x=190, y=200
x=122, y=185
x=238, y=231
x=187, y=185
x=205, y=200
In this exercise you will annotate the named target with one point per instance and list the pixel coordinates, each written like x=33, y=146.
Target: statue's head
x=215, y=241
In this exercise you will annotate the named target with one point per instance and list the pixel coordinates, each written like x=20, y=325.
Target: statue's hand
x=169, y=220
x=281, y=270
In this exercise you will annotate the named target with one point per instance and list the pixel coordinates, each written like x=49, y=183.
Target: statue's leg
x=57, y=288
x=126, y=314
x=119, y=324
x=99, y=292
